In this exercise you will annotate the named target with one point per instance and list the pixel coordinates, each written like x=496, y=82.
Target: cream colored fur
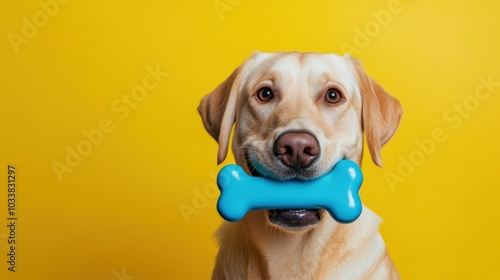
x=254, y=248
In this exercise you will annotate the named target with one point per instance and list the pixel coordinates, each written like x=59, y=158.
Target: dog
x=295, y=115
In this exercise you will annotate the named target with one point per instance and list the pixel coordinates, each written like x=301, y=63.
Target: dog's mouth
x=294, y=219
x=291, y=219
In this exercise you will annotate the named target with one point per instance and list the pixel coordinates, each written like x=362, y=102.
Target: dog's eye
x=265, y=94
x=333, y=96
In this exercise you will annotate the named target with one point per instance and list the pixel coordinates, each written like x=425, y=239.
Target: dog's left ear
x=381, y=112
x=218, y=108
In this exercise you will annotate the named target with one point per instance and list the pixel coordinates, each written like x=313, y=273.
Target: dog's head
x=296, y=115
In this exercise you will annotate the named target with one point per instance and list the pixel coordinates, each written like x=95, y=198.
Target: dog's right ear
x=218, y=108
x=218, y=112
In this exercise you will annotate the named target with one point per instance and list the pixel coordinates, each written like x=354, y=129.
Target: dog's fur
x=255, y=248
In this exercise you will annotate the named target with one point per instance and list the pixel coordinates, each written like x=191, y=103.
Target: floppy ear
x=218, y=112
x=218, y=109
x=381, y=113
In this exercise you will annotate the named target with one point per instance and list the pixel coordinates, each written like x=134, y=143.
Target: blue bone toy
x=337, y=192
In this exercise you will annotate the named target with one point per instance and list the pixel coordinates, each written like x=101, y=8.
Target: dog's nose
x=296, y=149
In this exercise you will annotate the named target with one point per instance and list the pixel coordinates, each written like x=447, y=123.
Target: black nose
x=296, y=150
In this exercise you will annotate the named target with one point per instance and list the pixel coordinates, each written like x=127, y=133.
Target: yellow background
x=117, y=215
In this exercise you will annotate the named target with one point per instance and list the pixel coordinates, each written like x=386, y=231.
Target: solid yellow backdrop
x=115, y=173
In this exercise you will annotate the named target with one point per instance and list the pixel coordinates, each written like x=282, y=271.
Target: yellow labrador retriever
x=296, y=115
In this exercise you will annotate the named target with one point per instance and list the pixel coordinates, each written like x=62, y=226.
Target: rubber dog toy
x=337, y=192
